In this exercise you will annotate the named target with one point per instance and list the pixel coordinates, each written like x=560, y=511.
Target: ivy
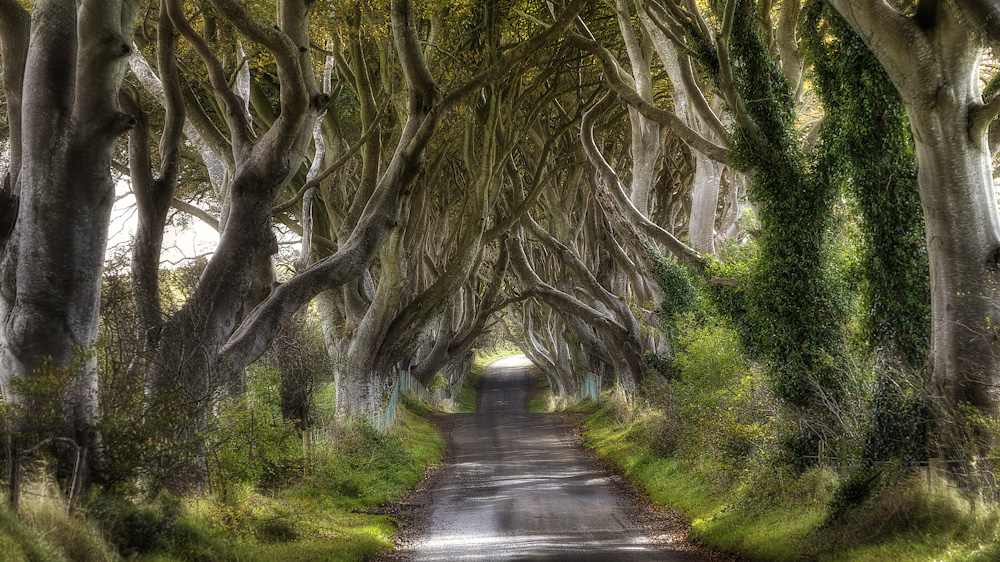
x=680, y=297
x=679, y=294
x=867, y=146
x=796, y=304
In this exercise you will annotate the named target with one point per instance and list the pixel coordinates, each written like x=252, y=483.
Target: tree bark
x=933, y=60
x=69, y=120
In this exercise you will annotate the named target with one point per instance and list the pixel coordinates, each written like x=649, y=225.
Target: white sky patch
x=179, y=244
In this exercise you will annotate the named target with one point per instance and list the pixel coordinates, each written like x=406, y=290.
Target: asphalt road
x=519, y=487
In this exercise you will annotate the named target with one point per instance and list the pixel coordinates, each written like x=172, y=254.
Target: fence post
x=13, y=473
x=307, y=450
x=844, y=466
x=933, y=466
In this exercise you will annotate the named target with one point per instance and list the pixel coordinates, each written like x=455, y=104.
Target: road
x=518, y=486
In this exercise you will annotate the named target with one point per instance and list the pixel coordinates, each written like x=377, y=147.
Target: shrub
x=661, y=424
x=250, y=442
x=362, y=466
x=136, y=528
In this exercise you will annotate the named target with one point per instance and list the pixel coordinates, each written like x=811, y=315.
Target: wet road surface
x=519, y=487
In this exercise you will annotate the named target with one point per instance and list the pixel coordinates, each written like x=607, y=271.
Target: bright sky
x=178, y=244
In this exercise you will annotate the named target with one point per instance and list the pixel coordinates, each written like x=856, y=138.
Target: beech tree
x=63, y=64
x=932, y=55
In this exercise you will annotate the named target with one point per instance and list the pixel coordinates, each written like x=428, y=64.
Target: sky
x=179, y=244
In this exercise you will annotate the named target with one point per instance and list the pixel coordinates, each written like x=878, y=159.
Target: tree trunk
x=933, y=60
x=52, y=266
x=963, y=237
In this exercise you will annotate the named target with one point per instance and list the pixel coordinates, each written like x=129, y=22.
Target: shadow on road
x=519, y=487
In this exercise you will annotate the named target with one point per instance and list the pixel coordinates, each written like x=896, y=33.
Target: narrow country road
x=519, y=487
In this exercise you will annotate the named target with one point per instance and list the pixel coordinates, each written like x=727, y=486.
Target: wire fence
x=976, y=476
x=382, y=419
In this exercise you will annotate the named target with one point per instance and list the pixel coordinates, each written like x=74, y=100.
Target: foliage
x=299, y=355
x=438, y=382
x=44, y=532
x=867, y=146
x=310, y=519
x=250, y=443
x=915, y=518
x=795, y=305
x=363, y=466
x=679, y=295
x=137, y=527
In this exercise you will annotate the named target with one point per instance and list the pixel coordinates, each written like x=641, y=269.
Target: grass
x=540, y=399
x=327, y=516
x=46, y=533
x=911, y=520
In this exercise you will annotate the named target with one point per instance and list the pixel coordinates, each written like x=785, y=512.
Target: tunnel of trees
x=395, y=183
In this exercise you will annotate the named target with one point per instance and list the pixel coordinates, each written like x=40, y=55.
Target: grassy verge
x=915, y=519
x=324, y=516
x=540, y=400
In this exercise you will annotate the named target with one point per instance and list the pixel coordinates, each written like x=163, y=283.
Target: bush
x=250, y=443
x=662, y=426
x=137, y=528
x=720, y=398
x=362, y=466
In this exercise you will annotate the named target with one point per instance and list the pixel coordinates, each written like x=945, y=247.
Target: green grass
x=540, y=400
x=911, y=520
x=320, y=518
x=467, y=400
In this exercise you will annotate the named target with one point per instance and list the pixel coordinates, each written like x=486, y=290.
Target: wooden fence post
x=13, y=473
x=933, y=466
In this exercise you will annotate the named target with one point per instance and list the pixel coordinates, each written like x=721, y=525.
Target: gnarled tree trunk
x=62, y=83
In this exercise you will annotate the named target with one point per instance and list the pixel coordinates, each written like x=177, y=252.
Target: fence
x=975, y=476
x=382, y=419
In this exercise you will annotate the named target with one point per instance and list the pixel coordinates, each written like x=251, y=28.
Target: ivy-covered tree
x=932, y=55
x=867, y=147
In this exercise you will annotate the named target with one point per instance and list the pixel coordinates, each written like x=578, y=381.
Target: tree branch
x=239, y=127
x=15, y=27
x=518, y=53
x=331, y=169
x=667, y=118
x=197, y=212
x=726, y=74
x=897, y=41
x=616, y=204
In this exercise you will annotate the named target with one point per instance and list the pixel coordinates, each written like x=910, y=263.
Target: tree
x=932, y=57
x=63, y=65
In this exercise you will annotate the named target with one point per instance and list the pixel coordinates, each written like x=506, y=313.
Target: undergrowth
x=323, y=515
x=765, y=509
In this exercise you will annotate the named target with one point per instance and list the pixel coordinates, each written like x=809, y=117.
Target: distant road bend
x=518, y=488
